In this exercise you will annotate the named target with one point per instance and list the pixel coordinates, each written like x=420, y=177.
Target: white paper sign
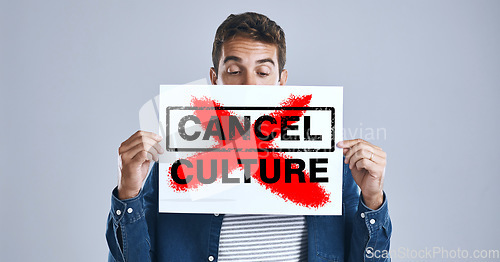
x=251, y=149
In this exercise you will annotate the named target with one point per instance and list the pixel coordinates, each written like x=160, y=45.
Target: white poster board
x=251, y=149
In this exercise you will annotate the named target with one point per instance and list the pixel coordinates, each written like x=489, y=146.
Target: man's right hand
x=135, y=155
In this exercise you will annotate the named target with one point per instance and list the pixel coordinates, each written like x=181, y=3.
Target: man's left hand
x=367, y=164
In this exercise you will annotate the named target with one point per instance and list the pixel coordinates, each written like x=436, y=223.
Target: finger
x=360, y=154
x=149, y=134
x=350, y=152
x=137, y=137
x=158, y=148
x=138, y=140
x=142, y=156
x=366, y=154
x=140, y=133
x=366, y=147
x=144, y=145
x=345, y=150
x=354, y=149
x=353, y=159
x=149, y=157
x=348, y=143
x=366, y=164
x=131, y=153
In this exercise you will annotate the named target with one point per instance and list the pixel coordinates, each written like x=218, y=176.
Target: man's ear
x=213, y=76
x=284, y=77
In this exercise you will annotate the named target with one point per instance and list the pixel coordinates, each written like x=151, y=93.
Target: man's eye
x=234, y=72
x=263, y=74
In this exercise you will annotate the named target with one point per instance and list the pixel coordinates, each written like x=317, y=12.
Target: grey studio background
x=74, y=75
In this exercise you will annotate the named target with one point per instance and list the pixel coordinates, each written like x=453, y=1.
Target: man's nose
x=249, y=79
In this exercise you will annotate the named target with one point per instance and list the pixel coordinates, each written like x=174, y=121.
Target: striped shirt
x=263, y=238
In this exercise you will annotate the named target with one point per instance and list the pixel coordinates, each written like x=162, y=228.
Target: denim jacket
x=136, y=231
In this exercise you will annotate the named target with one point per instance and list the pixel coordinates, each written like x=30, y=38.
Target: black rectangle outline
x=314, y=108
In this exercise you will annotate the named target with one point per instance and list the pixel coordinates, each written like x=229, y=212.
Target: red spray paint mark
x=311, y=195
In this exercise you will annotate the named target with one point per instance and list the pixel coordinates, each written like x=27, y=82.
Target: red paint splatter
x=311, y=195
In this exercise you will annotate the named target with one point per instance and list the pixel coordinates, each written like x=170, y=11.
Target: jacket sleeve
x=130, y=231
x=368, y=231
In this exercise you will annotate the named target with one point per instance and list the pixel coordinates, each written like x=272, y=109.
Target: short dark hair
x=252, y=25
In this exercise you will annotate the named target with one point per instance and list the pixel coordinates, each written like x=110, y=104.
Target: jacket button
x=118, y=212
x=211, y=258
x=216, y=214
x=372, y=221
x=362, y=215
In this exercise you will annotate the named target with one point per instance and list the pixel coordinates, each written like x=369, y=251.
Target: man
x=249, y=49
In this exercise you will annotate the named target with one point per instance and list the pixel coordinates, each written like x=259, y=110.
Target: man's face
x=248, y=62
